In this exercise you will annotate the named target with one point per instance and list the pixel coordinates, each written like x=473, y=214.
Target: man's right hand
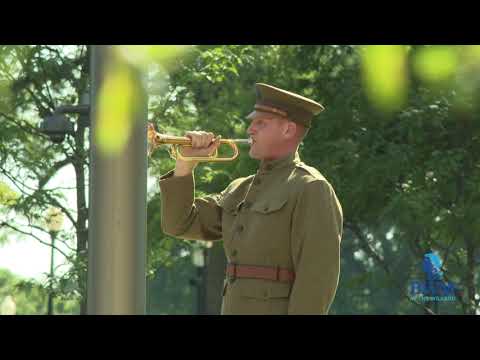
x=203, y=144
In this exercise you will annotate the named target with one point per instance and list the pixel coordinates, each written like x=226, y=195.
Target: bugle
x=156, y=139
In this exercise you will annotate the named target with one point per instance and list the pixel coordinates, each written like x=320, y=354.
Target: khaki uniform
x=286, y=215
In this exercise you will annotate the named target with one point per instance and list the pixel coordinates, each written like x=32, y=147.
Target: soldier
x=281, y=227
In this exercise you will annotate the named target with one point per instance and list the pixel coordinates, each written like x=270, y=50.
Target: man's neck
x=287, y=159
x=280, y=155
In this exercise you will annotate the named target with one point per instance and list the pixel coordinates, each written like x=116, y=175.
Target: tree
x=39, y=78
x=30, y=297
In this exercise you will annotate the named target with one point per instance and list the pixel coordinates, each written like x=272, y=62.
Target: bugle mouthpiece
x=242, y=141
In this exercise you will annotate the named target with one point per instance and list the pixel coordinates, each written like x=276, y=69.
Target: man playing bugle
x=281, y=227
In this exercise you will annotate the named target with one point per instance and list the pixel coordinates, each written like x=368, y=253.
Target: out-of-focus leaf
x=115, y=108
x=118, y=96
x=144, y=55
x=384, y=75
x=436, y=64
x=472, y=53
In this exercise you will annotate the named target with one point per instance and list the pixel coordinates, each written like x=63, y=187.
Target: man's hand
x=203, y=144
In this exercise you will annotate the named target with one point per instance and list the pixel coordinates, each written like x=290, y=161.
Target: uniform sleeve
x=184, y=216
x=317, y=227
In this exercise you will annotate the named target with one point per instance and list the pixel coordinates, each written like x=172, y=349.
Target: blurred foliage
x=115, y=108
x=384, y=71
x=31, y=297
x=119, y=94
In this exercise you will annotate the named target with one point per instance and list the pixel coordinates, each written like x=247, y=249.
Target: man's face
x=267, y=136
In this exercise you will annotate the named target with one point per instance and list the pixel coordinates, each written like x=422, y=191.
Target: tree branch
x=52, y=200
x=45, y=231
x=25, y=127
x=365, y=245
x=52, y=171
x=34, y=236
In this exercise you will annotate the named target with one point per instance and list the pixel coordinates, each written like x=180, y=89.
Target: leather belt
x=273, y=273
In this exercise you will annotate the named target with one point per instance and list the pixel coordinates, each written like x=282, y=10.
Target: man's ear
x=290, y=129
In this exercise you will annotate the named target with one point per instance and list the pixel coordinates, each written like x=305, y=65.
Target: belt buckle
x=233, y=277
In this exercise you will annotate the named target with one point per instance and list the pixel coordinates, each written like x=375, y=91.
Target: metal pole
x=117, y=218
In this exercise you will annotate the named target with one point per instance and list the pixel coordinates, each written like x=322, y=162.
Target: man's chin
x=253, y=155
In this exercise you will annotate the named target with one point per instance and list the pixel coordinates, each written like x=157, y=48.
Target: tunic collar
x=267, y=166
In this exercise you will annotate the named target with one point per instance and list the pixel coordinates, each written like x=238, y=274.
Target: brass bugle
x=156, y=139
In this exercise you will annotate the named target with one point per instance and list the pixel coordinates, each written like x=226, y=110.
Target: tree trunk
x=82, y=216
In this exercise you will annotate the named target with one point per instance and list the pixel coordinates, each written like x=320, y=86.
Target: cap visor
x=256, y=113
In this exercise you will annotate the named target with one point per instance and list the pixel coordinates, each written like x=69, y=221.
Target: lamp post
x=198, y=260
x=54, y=222
x=199, y=257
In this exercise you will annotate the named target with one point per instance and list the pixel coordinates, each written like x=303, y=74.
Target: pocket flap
x=269, y=205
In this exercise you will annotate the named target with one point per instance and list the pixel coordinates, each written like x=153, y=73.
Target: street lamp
x=57, y=126
x=199, y=256
x=54, y=220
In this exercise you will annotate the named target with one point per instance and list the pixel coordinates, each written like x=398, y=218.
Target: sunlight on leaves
x=8, y=197
x=384, y=75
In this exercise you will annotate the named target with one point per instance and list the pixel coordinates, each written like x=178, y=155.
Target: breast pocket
x=269, y=206
x=269, y=233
